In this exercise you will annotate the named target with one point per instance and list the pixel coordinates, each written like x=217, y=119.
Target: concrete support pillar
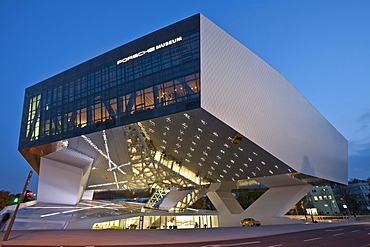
x=63, y=177
x=283, y=193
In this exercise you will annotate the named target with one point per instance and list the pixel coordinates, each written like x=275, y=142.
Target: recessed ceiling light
x=232, y=161
x=186, y=115
x=259, y=169
x=167, y=127
x=203, y=122
x=263, y=163
x=236, y=174
x=215, y=133
x=199, y=164
x=241, y=149
x=271, y=172
x=241, y=170
x=276, y=166
x=250, y=159
x=224, y=171
x=187, y=160
x=151, y=130
x=226, y=145
x=200, y=130
x=222, y=151
x=221, y=175
x=255, y=153
x=151, y=122
x=168, y=120
x=212, y=168
x=218, y=157
x=194, y=143
x=215, y=162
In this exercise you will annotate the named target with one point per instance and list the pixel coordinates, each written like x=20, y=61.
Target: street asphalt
x=150, y=237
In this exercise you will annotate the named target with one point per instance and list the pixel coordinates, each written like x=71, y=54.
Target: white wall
x=246, y=93
x=62, y=182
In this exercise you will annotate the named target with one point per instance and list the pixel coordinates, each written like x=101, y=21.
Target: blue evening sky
x=322, y=47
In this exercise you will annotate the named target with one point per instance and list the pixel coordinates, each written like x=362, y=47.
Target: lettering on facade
x=151, y=49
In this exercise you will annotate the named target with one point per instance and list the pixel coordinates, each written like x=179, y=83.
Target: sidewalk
x=151, y=237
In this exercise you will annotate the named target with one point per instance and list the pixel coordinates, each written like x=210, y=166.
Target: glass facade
x=161, y=222
x=127, y=86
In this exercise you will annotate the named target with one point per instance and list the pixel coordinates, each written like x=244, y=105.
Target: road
x=346, y=236
x=351, y=234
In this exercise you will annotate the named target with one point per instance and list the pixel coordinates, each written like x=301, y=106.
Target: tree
x=5, y=198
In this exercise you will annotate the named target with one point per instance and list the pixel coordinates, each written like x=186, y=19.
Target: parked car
x=250, y=222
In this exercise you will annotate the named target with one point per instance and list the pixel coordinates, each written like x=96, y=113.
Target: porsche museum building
x=186, y=111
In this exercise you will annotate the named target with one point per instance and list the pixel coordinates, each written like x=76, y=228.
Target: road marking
x=334, y=230
x=276, y=245
x=355, y=230
x=311, y=239
x=338, y=234
x=223, y=245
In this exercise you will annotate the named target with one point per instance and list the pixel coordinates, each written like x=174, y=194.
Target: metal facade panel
x=250, y=96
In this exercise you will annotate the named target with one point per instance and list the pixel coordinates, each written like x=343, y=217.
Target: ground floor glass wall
x=161, y=222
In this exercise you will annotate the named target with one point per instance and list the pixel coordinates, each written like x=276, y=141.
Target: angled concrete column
x=221, y=197
x=283, y=193
x=63, y=177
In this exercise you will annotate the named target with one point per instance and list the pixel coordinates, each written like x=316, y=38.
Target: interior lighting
x=164, y=141
x=189, y=155
x=276, y=166
x=215, y=133
x=212, y=168
x=227, y=146
x=178, y=145
x=232, y=161
x=208, y=148
x=236, y=174
x=167, y=128
x=199, y=164
x=218, y=157
x=180, y=139
x=222, y=151
x=106, y=184
x=263, y=163
x=229, y=138
x=248, y=177
x=235, y=155
x=202, y=159
x=215, y=162
x=221, y=175
x=163, y=147
x=192, y=149
x=246, y=165
x=203, y=122
x=187, y=115
x=241, y=170
x=110, y=162
x=205, y=153
x=181, y=132
x=254, y=174
x=184, y=125
x=187, y=160
x=289, y=170
x=168, y=120
x=250, y=159
x=209, y=172
x=151, y=122
x=194, y=143
x=224, y=171
x=164, y=133
x=259, y=169
x=198, y=137
x=233, y=179
x=176, y=151
x=151, y=130
x=211, y=141
x=241, y=149
x=200, y=130
x=271, y=172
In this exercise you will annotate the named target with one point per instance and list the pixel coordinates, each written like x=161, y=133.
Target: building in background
x=188, y=111
x=322, y=198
